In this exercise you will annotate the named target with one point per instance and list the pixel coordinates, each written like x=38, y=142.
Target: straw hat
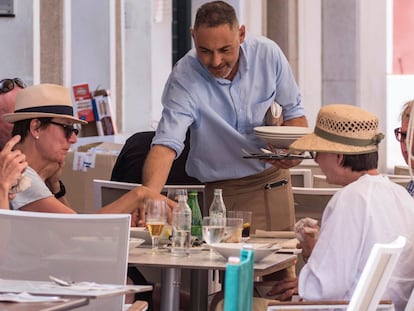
x=43, y=100
x=342, y=129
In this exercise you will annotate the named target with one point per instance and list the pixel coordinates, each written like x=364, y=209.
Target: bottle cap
x=234, y=260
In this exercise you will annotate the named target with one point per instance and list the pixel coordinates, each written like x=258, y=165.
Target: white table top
x=204, y=260
x=69, y=304
x=50, y=288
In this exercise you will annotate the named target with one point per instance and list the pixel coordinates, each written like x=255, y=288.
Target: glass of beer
x=155, y=218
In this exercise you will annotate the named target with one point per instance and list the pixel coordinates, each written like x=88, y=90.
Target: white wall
x=399, y=91
x=16, y=37
x=90, y=43
x=147, y=62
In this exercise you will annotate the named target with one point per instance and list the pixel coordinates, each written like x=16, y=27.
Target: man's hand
x=284, y=289
x=284, y=164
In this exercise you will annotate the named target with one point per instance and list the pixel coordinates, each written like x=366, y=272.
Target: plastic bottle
x=181, y=223
x=217, y=207
x=196, y=218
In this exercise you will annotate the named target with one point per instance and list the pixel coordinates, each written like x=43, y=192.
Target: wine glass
x=155, y=218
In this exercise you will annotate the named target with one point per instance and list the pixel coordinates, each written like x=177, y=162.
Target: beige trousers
x=267, y=194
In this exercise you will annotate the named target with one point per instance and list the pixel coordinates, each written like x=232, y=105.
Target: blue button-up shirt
x=222, y=114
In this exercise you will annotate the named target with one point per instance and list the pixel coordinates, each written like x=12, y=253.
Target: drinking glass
x=233, y=230
x=155, y=218
x=173, y=193
x=247, y=221
x=213, y=229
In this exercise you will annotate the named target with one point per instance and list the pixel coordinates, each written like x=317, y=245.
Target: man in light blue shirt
x=221, y=90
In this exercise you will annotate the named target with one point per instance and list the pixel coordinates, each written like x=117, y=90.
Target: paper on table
x=89, y=286
x=275, y=234
x=26, y=297
x=290, y=243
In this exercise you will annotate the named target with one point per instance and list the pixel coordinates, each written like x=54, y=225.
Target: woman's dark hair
x=361, y=162
x=22, y=127
x=216, y=13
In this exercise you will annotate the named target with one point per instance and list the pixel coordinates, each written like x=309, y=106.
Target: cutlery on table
x=59, y=281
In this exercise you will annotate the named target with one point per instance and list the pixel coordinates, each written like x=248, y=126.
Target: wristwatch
x=62, y=190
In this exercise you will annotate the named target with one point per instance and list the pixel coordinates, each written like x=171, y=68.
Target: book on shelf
x=101, y=102
x=95, y=108
x=83, y=102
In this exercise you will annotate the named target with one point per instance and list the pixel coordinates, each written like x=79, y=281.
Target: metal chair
x=311, y=202
x=78, y=247
x=301, y=177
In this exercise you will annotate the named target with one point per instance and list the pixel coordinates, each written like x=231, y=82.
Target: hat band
x=347, y=140
x=57, y=109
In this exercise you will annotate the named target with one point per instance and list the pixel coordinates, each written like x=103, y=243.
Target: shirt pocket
x=258, y=111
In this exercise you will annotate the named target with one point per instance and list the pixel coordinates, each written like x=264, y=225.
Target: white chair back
x=370, y=288
x=311, y=202
x=376, y=275
x=410, y=303
x=401, y=170
x=319, y=181
x=78, y=247
x=402, y=180
x=107, y=191
x=301, y=177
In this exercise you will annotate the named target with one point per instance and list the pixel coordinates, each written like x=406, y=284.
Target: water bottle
x=196, y=218
x=181, y=223
x=217, y=207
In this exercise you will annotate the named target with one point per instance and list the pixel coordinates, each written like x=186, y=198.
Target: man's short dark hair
x=361, y=162
x=216, y=13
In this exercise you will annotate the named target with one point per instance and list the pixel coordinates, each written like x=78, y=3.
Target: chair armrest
x=321, y=304
x=138, y=305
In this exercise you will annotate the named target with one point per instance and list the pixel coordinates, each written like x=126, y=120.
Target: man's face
x=403, y=143
x=7, y=101
x=218, y=48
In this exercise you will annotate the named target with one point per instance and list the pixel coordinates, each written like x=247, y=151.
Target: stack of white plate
x=281, y=136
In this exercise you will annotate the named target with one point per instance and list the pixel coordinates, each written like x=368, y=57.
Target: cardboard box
x=79, y=183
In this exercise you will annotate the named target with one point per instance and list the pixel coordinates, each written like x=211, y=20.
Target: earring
x=37, y=137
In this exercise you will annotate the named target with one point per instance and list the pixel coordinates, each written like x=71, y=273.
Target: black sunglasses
x=400, y=135
x=69, y=129
x=6, y=85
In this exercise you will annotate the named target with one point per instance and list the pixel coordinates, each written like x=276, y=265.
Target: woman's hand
x=12, y=164
x=308, y=243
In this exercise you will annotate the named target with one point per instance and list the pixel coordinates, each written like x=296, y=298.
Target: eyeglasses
x=400, y=135
x=6, y=85
x=69, y=129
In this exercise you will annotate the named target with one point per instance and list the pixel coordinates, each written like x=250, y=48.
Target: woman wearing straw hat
x=43, y=117
x=368, y=209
